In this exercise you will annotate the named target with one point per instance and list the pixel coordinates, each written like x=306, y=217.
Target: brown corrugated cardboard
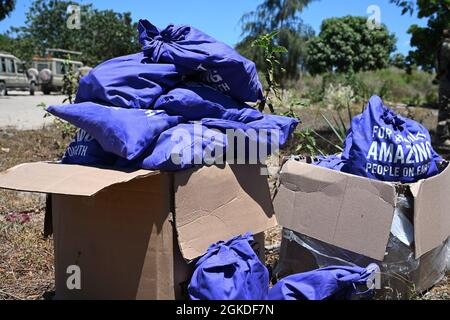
x=121, y=239
x=356, y=213
x=336, y=208
x=228, y=198
x=124, y=231
x=48, y=177
x=431, y=212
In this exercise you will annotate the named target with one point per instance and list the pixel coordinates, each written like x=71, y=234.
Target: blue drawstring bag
x=337, y=162
x=130, y=81
x=334, y=282
x=267, y=128
x=389, y=147
x=182, y=147
x=206, y=142
x=195, y=101
x=230, y=271
x=215, y=62
x=285, y=126
x=85, y=150
x=333, y=162
x=123, y=132
x=254, y=141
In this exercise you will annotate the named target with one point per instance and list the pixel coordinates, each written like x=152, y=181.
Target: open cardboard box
x=356, y=213
x=133, y=233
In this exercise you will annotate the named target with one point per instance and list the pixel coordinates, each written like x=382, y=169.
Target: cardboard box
x=132, y=233
x=334, y=218
x=356, y=213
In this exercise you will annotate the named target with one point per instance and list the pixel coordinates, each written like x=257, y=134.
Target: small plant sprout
x=271, y=62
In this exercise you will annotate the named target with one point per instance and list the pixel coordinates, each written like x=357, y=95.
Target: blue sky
x=221, y=18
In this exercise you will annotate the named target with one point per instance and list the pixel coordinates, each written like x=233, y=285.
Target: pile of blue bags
x=383, y=145
x=171, y=106
x=230, y=270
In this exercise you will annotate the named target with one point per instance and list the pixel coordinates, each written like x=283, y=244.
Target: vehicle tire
x=32, y=88
x=2, y=89
x=46, y=91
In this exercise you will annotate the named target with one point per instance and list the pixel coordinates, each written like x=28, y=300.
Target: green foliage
x=6, y=6
x=20, y=46
x=391, y=84
x=70, y=82
x=67, y=129
x=5, y=42
x=104, y=33
x=347, y=45
x=271, y=63
x=273, y=14
x=307, y=142
x=427, y=39
x=281, y=15
x=107, y=34
x=305, y=138
x=345, y=95
x=398, y=60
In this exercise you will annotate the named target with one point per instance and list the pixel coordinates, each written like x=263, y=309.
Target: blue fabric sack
x=206, y=142
x=195, y=101
x=217, y=64
x=85, y=150
x=333, y=162
x=389, y=147
x=130, y=81
x=182, y=147
x=334, y=282
x=123, y=132
x=281, y=126
x=285, y=126
x=230, y=271
x=252, y=142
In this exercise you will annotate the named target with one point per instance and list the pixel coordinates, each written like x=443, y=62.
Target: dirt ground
x=26, y=257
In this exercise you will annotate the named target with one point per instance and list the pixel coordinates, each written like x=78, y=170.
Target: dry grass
x=26, y=265
x=26, y=258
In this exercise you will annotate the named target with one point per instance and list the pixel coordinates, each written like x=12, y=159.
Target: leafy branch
x=70, y=81
x=271, y=53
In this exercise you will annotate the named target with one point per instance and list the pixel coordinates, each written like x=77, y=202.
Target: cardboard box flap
x=431, y=212
x=218, y=203
x=48, y=177
x=325, y=204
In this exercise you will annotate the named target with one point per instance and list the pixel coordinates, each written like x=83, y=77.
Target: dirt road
x=19, y=110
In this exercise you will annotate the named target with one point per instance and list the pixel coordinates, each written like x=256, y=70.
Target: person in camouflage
x=443, y=76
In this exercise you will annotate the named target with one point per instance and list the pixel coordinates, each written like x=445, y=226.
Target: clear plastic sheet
x=448, y=255
x=401, y=274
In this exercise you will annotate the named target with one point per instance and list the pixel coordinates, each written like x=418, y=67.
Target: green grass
x=393, y=84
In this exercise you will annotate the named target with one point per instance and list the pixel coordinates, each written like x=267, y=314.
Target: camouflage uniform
x=443, y=129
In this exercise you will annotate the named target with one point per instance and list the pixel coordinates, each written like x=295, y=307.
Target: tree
x=103, y=34
x=398, y=60
x=281, y=16
x=5, y=42
x=6, y=6
x=270, y=50
x=21, y=47
x=108, y=34
x=347, y=44
x=427, y=40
